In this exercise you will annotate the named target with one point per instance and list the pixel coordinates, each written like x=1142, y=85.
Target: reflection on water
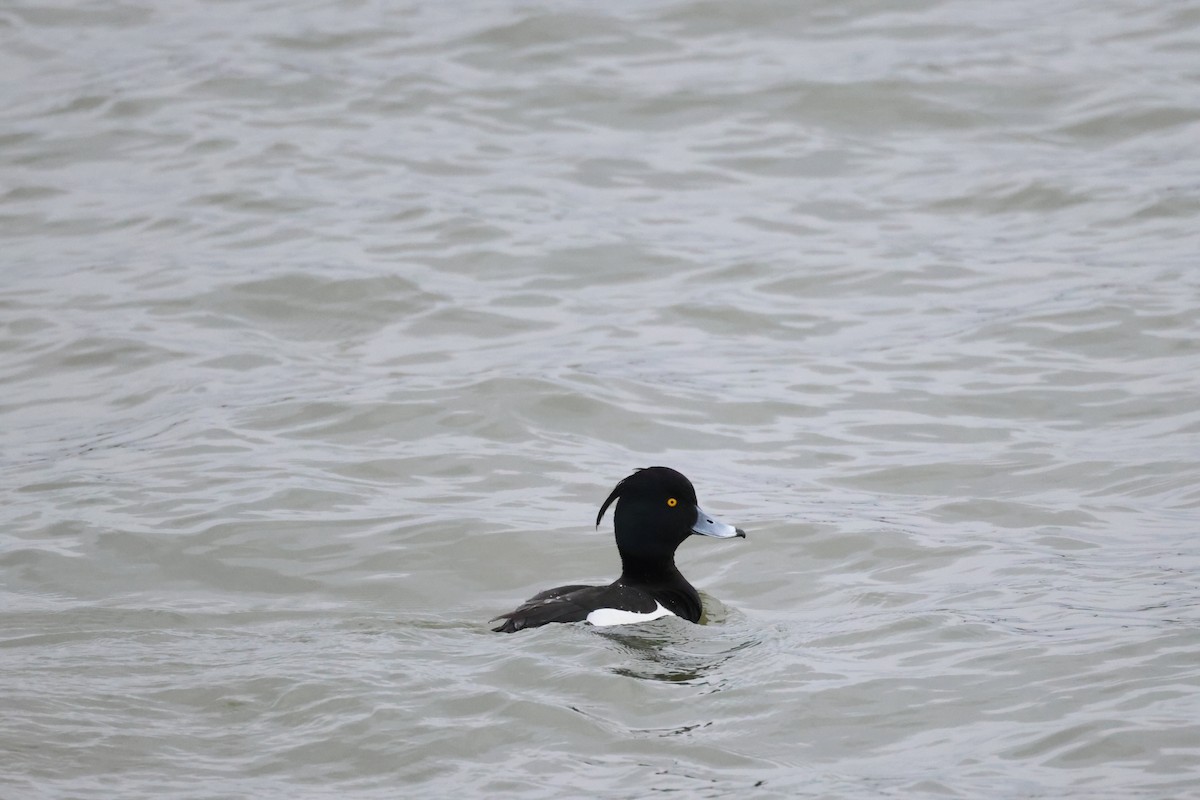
x=676, y=651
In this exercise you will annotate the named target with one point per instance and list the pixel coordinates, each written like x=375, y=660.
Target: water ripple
x=326, y=329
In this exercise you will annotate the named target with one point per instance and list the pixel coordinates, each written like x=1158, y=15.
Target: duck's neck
x=639, y=569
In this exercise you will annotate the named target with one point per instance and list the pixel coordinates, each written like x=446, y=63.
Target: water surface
x=327, y=328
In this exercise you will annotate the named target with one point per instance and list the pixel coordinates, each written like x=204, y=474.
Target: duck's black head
x=656, y=510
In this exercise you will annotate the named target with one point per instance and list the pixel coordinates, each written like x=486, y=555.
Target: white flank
x=614, y=616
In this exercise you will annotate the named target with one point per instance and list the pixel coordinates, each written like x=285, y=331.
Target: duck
x=656, y=510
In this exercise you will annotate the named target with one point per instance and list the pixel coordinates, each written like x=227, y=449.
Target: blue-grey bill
x=708, y=525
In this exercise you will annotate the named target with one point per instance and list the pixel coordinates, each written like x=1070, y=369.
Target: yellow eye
x=672, y=502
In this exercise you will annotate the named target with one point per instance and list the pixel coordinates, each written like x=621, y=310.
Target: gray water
x=327, y=327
